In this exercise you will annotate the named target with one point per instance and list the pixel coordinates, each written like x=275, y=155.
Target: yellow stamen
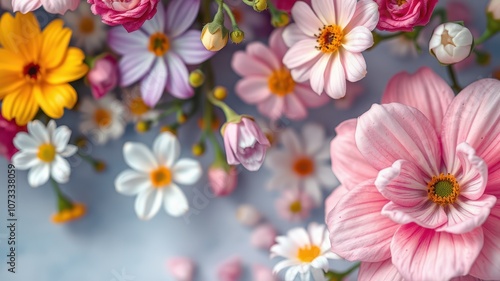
x=303, y=166
x=138, y=107
x=443, y=189
x=161, y=177
x=86, y=25
x=295, y=207
x=280, y=82
x=102, y=117
x=159, y=44
x=46, y=152
x=308, y=253
x=330, y=38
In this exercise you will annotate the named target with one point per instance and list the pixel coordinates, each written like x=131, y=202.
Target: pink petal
x=356, y=212
x=325, y=11
x=383, y=270
x=354, y=65
x=303, y=73
x=305, y=19
x=272, y=107
x=180, y=15
x=190, y=49
x=366, y=14
x=344, y=11
x=245, y=65
x=318, y=74
x=133, y=67
x=262, y=53
x=25, y=6
x=358, y=39
x=177, y=84
x=253, y=89
x=390, y=132
x=292, y=34
x=350, y=168
x=333, y=199
x=229, y=270
x=486, y=265
x=308, y=97
x=157, y=23
x=277, y=44
x=424, y=90
x=466, y=278
x=335, y=78
x=181, y=268
x=474, y=172
x=473, y=117
x=426, y=214
x=424, y=254
x=301, y=53
x=153, y=85
x=294, y=108
x=123, y=42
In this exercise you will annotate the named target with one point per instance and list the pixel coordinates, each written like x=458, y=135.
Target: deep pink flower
x=404, y=15
x=230, y=270
x=130, y=13
x=420, y=180
x=222, y=182
x=103, y=77
x=245, y=143
x=286, y=5
x=9, y=130
x=51, y=6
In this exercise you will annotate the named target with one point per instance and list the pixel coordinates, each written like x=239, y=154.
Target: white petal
x=358, y=40
x=318, y=74
x=312, y=187
x=299, y=236
x=148, y=203
x=23, y=141
x=305, y=19
x=139, y=157
x=24, y=160
x=166, y=149
x=320, y=262
x=39, y=174
x=130, y=182
x=39, y=132
x=69, y=150
x=282, y=265
x=325, y=11
x=187, y=171
x=354, y=65
x=291, y=141
x=175, y=201
x=335, y=83
x=292, y=271
x=292, y=34
x=60, y=170
x=61, y=138
x=314, y=138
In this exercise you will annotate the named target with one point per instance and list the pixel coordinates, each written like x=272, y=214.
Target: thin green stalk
x=487, y=34
x=248, y=2
x=63, y=202
x=231, y=15
x=456, y=87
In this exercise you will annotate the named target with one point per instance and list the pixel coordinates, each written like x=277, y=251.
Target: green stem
x=487, y=34
x=63, y=202
x=231, y=15
x=456, y=87
x=334, y=276
x=248, y=2
x=272, y=9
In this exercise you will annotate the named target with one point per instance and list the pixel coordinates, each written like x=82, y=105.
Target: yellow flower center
x=159, y=44
x=102, y=117
x=161, y=177
x=46, y=152
x=303, y=166
x=443, y=189
x=137, y=106
x=330, y=38
x=32, y=72
x=308, y=253
x=401, y=2
x=295, y=207
x=86, y=25
x=281, y=82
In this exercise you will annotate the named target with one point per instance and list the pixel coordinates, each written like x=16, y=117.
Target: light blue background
x=110, y=238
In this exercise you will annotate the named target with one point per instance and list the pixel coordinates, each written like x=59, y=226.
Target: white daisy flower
x=89, y=32
x=41, y=150
x=155, y=174
x=303, y=163
x=137, y=109
x=305, y=252
x=103, y=119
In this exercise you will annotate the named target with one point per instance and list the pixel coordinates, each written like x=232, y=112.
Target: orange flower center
x=281, y=82
x=138, y=107
x=401, y=2
x=32, y=71
x=308, y=253
x=102, y=117
x=86, y=25
x=443, y=189
x=295, y=207
x=159, y=44
x=303, y=166
x=329, y=39
x=161, y=177
x=46, y=152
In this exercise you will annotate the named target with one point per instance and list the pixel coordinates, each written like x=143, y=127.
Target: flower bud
x=280, y=20
x=222, y=182
x=248, y=215
x=181, y=268
x=230, y=270
x=103, y=76
x=142, y=126
x=259, y=5
x=196, y=78
x=494, y=9
x=214, y=36
x=181, y=117
x=220, y=92
x=198, y=149
x=237, y=36
x=451, y=43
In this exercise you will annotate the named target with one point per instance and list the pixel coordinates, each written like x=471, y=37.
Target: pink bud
x=230, y=270
x=181, y=268
x=262, y=273
x=263, y=237
x=103, y=77
x=221, y=182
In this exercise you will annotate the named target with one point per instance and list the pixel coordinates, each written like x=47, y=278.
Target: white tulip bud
x=494, y=9
x=451, y=43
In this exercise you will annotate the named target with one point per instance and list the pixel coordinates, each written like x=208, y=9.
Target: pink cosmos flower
x=9, y=130
x=130, y=13
x=326, y=43
x=294, y=205
x=404, y=15
x=222, y=182
x=157, y=54
x=420, y=181
x=245, y=143
x=103, y=77
x=268, y=83
x=51, y=6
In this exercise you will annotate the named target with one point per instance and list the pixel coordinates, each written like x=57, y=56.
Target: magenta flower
x=51, y=6
x=157, y=54
x=9, y=130
x=103, y=77
x=268, y=83
x=420, y=181
x=130, y=13
x=404, y=15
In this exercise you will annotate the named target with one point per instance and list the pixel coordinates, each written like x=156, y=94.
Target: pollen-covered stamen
x=295, y=207
x=303, y=166
x=329, y=39
x=86, y=25
x=161, y=177
x=443, y=189
x=159, y=44
x=32, y=71
x=280, y=82
x=102, y=117
x=308, y=253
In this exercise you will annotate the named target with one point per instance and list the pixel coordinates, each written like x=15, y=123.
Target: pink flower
x=222, y=182
x=326, y=43
x=263, y=236
x=9, y=130
x=181, y=268
x=130, y=13
x=404, y=15
x=245, y=143
x=103, y=77
x=230, y=270
x=262, y=273
x=269, y=84
x=294, y=205
x=420, y=172
x=286, y=5
x=51, y=6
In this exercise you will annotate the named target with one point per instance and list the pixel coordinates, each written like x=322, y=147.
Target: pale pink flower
x=421, y=180
x=326, y=43
x=404, y=15
x=263, y=236
x=181, y=268
x=230, y=270
x=262, y=273
x=269, y=84
x=51, y=6
x=494, y=9
x=103, y=77
x=222, y=182
x=294, y=205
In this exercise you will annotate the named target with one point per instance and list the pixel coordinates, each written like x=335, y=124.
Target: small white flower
x=137, y=109
x=103, y=119
x=451, y=43
x=306, y=252
x=154, y=175
x=89, y=32
x=41, y=150
x=494, y=9
x=303, y=163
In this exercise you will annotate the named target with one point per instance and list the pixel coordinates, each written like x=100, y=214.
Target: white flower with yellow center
x=306, y=252
x=103, y=119
x=137, y=109
x=154, y=176
x=303, y=163
x=42, y=151
x=89, y=32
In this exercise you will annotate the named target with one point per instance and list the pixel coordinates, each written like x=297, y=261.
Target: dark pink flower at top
x=286, y=5
x=130, y=13
x=9, y=130
x=404, y=15
x=103, y=77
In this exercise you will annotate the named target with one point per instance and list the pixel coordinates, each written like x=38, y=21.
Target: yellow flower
x=36, y=67
x=76, y=211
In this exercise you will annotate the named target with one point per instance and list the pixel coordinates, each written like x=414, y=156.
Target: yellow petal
x=72, y=68
x=21, y=106
x=54, y=98
x=10, y=83
x=10, y=61
x=21, y=35
x=55, y=43
x=7, y=32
